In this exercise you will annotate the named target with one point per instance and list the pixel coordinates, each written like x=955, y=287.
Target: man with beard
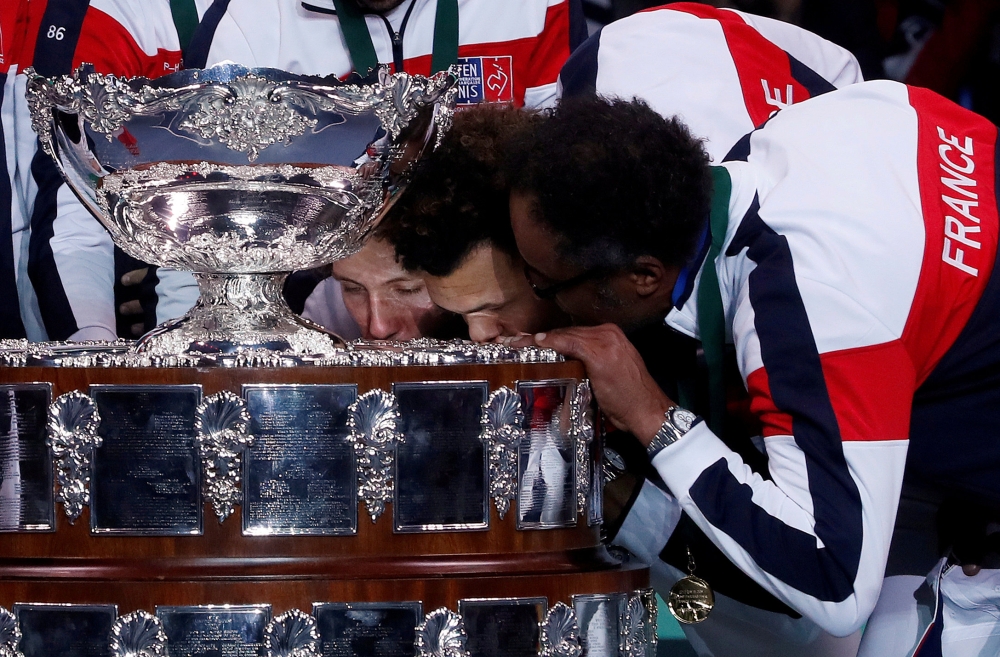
x=847, y=252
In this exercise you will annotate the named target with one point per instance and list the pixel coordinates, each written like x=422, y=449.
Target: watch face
x=682, y=419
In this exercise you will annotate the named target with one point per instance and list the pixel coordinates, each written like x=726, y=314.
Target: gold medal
x=691, y=599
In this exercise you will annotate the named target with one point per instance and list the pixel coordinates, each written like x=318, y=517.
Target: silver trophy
x=239, y=176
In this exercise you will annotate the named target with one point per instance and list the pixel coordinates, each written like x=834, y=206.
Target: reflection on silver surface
x=582, y=414
x=441, y=471
x=26, y=502
x=292, y=634
x=502, y=430
x=600, y=618
x=65, y=630
x=300, y=473
x=146, y=470
x=139, y=634
x=368, y=629
x=595, y=501
x=72, y=437
x=560, y=633
x=372, y=421
x=220, y=423
x=547, y=483
x=192, y=171
x=359, y=353
x=10, y=634
x=442, y=634
x=648, y=597
x=212, y=630
x=634, y=633
x=502, y=627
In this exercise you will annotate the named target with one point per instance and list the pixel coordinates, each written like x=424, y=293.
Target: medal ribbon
x=444, y=51
x=711, y=313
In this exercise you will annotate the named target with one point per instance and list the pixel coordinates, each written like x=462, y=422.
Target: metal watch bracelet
x=678, y=421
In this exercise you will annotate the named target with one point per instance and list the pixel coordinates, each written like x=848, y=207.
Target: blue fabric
x=955, y=423
x=808, y=78
x=58, y=36
x=798, y=387
x=57, y=314
x=11, y=325
x=579, y=73
x=196, y=55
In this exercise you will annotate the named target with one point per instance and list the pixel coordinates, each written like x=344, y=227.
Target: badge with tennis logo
x=485, y=79
x=691, y=599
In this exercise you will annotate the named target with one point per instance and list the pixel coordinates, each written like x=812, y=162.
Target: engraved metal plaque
x=368, y=629
x=146, y=472
x=51, y=630
x=26, y=501
x=442, y=477
x=599, y=617
x=503, y=627
x=300, y=474
x=547, y=486
x=215, y=630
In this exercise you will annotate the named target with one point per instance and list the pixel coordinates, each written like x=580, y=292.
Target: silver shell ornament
x=502, y=431
x=442, y=634
x=72, y=436
x=560, y=633
x=138, y=634
x=10, y=634
x=372, y=424
x=221, y=434
x=292, y=634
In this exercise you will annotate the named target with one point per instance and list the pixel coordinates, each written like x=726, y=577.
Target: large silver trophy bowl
x=239, y=176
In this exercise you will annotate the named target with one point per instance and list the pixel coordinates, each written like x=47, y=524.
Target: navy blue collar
x=685, y=279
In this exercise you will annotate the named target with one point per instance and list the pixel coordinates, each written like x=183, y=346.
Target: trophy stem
x=239, y=312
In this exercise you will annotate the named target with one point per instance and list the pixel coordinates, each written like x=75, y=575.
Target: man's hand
x=133, y=309
x=625, y=391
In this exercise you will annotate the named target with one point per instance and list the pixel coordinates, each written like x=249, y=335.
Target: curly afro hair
x=615, y=180
x=458, y=198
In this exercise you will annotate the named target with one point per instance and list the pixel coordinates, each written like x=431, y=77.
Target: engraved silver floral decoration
x=292, y=634
x=359, y=353
x=634, y=632
x=502, y=430
x=10, y=634
x=442, y=634
x=221, y=428
x=582, y=422
x=560, y=633
x=247, y=114
x=138, y=634
x=72, y=437
x=372, y=422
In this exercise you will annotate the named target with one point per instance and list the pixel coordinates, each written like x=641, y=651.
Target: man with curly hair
x=453, y=227
x=847, y=252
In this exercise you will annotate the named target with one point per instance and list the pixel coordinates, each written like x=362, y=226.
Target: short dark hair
x=615, y=180
x=458, y=197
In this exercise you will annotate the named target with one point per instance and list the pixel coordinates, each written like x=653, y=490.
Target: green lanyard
x=356, y=34
x=711, y=314
x=362, y=50
x=185, y=16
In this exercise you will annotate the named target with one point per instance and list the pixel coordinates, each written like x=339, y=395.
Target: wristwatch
x=677, y=423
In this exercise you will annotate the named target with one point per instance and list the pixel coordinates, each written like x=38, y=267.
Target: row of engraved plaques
x=600, y=625
x=297, y=458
